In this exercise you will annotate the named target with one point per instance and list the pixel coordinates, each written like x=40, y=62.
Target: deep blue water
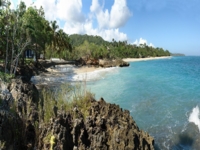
x=160, y=94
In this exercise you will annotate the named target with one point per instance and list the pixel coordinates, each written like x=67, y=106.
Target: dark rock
x=105, y=63
x=113, y=63
x=107, y=127
x=27, y=71
x=26, y=97
x=30, y=135
x=11, y=130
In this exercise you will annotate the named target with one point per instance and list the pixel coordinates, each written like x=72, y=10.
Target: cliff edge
x=105, y=126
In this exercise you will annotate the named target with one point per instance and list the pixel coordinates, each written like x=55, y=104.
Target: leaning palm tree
x=54, y=28
x=63, y=41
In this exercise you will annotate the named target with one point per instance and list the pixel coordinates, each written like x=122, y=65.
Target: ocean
x=163, y=97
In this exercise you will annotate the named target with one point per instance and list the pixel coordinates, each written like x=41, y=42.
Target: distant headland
x=177, y=54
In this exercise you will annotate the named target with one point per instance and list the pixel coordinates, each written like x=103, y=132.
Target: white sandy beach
x=145, y=59
x=86, y=69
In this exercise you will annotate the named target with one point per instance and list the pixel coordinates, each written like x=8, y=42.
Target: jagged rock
x=11, y=130
x=30, y=135
x=26, y=97
x=18, y=103
x=5, y=96
x=107, y=127
x=105, y=63
x=81, y=61
x=113, y=63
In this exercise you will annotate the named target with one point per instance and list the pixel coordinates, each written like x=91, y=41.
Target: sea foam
x=64, y=75
x=94, y=75
x=194, y=117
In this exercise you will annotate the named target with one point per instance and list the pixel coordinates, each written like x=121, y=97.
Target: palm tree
x=54, y=27
x=63, y=41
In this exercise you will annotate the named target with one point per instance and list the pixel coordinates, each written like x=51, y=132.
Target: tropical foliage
x=25, y=28
x=95, y=46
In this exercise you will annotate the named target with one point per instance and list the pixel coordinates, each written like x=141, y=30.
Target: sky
x=173, y=25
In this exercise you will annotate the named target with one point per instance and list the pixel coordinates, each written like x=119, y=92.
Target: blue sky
x=171, y=24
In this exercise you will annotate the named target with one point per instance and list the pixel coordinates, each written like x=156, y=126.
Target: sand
x=86, y=69
x=145, y=59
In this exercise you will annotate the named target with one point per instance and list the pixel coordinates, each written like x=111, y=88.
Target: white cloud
x=49, y=8
x=71, y=18
x=103, y=18
x=12, y=5
x=113, y=34
x=151, y=45
x=116, y=18
x=72, y=28
x=142, y=41
x=87, y=27
x=119, y=14
x=70, y=10
x=95, y=7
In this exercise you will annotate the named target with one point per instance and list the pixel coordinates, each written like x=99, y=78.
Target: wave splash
x=94, y=75
x=66, y=74
x=194, y=117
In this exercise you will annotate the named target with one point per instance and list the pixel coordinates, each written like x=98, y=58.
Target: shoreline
x=87, y=69
x=78, y=70
x=145, y=59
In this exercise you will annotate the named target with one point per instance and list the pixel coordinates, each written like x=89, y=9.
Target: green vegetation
x=25, y=28
x=96, y=47
x=28, y=61
x=47, y=138
x=177, y=54
x=67, y=98
x=52, y=142
x=5, y=76
x=77, y=39
x=2, y=144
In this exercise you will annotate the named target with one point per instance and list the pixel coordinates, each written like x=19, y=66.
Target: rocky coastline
x=106, y=126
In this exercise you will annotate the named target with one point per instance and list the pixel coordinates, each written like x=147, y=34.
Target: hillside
x=77, y=39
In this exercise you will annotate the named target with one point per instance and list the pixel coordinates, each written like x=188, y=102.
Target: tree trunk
x=6, y=58
x=23, y=55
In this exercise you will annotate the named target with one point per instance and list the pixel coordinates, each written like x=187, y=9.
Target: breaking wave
x=194, y=116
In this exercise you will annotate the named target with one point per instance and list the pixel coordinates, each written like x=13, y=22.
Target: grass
x=5, y=76
x=2, y=145
x=28, y=61
x=64, y=99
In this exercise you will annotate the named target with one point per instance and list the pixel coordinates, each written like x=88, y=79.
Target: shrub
x=65, y=98
x=5, y=76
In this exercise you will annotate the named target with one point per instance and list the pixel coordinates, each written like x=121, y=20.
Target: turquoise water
x=160, y=94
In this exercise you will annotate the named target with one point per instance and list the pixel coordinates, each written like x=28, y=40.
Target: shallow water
x=160, y=95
